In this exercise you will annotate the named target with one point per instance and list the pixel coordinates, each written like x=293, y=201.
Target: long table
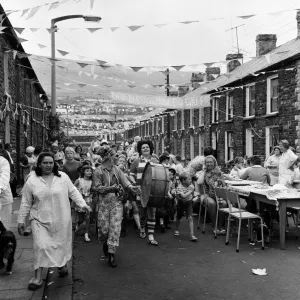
x=281, y=199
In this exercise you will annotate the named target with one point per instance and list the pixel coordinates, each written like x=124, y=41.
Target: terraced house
x=253, y=106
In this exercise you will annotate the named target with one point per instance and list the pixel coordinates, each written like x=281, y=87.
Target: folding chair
x=204, y=204
x=234, y=199
x=221, y=194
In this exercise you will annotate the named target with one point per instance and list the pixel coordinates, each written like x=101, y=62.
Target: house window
x=182, y=119
x=175, y=122
x=272, y=94
x=228, y=146
x=201, y=116
x=249, y=142
x=215, y=110
x=250, y=101
x=229, y=107
x=192, y=147
x=272, y=139
x=182, y=152
x=162, y=129
x=192, y=113
x=214, y=140
x=201, y=144
x=175, y=150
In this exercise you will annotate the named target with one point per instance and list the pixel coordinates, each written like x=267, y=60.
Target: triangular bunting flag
x=15, y=52
x=189, y=22
x=108, y=86
x=87, y=74
x=22, y=40
x=95, y=76
x=113, y=28
x=63, y=53
x=33, y=12
x=67, y=84
x=63, y=68
x=105, y=67
x=34, y=29
x=53, y=5
x=134, y=28
x=227, y=75
x=19, y=30
x=208, y=64
x=23, y=55
x=92, y=30
x=80, y=73
x=136, y=69
x=282, y=52
x=160, y=25
x=50, y=30
x=131, y=86
x=92, y=3
x=82, y=85
x=246, y=17
x=24, y=12
x=52, y=60
x=82, y=65
x=268, y=57
x=178, y=68
x=101, y=62
x=42, y=46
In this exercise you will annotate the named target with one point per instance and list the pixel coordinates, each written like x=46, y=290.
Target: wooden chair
x=203, y=203
x=221, y=194
x=240, y=215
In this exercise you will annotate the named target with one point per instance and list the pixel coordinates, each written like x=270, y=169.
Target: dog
x=8, y=245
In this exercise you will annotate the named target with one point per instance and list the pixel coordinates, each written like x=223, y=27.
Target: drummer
x=145, y=150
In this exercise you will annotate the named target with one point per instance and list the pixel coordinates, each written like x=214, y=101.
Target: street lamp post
x=53, y=70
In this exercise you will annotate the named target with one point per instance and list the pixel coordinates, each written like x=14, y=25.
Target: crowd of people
x=67, y=188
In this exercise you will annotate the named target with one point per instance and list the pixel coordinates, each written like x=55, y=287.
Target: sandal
x=153, y=242
x=176, y=232
x=193, y=238
x=86, y=238
x=34, y=284
x=143, y=235
x=63, y=271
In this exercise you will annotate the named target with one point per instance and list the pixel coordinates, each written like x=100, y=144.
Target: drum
x=155, y=185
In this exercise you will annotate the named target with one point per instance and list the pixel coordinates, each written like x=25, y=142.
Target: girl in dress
x=83, y=184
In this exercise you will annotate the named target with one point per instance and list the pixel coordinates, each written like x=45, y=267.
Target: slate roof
x=281, y=53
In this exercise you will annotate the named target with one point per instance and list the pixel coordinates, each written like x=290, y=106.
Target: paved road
x=180, y=269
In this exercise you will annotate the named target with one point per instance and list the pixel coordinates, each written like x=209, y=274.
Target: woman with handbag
x=109, y=183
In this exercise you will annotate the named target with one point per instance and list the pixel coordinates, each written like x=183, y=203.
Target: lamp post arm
x=55, y=20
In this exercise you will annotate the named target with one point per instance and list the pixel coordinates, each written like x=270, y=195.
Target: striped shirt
x=184, y=190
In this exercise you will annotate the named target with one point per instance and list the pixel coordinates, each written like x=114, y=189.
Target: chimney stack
x=265, y=43
x=234, y=62
x=298, y=24
x=212, y=73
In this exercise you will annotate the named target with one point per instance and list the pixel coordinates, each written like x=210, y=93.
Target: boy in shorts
x=184, y=194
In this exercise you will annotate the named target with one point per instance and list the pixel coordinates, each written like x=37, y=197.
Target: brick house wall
x=15, y=80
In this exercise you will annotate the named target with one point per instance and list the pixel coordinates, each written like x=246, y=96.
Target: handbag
x=121, y=194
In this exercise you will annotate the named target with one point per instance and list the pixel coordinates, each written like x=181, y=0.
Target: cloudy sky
x=174, y=44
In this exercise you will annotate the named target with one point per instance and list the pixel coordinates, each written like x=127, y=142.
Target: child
x=83, y=184
x=184, y=194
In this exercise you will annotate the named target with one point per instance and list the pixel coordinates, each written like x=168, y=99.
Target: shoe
x=112, y=260
x=16, y=195
x=143, y=235
x=162, y=228
x=176, y=232
x=105, y=249
x=193, y=238
x=86, y=238
x=153, y=242
x=63, y=271
x=34, y=284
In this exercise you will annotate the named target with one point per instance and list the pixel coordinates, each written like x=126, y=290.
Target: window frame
x=248, y=100
x=229, y=108
x=175, y=122
x=201, y=144
x=267, y=139
x=215, y=112
x=249, y=134
x=201, y=116
x=228, y=146
x=192, y=117
x=182, y=119
x=269, y=104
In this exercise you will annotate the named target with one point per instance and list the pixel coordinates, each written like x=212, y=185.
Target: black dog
x=8, y=246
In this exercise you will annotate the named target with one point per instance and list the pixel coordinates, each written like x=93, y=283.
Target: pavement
x=15, y=286
x=180, y=269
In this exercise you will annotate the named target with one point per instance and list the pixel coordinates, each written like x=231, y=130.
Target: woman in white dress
x=272, y=164
x=45, y=199
x=286, y=163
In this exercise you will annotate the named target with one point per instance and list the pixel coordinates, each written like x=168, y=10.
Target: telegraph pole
x=168, y=115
